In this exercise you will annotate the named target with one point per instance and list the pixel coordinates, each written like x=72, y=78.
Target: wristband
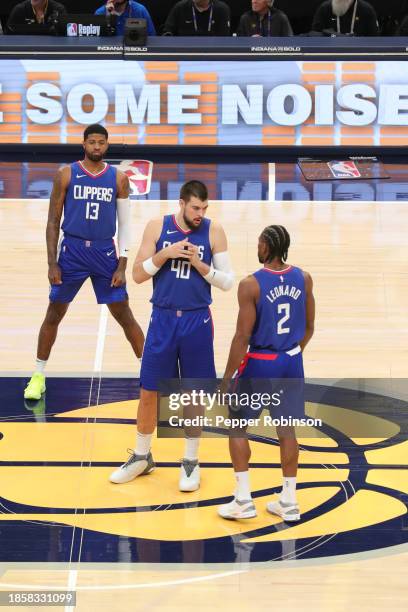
x=149, y=267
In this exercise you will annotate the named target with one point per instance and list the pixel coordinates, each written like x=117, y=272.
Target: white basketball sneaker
x=136, y=465
x=288, y=512
x=238, y=509
x=189, y=475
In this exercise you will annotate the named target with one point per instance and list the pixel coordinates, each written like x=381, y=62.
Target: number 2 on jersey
x=285, y=308
x=92, y=210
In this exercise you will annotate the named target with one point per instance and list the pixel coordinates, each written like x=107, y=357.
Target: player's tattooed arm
x=310, y=310
x=55, y=209
x=248, y=295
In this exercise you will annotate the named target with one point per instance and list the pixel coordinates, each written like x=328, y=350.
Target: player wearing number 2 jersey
x=276, y=320
x=93, y=195
x=185, y=254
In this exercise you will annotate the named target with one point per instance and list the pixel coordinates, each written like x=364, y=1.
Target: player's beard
x=190, y=224
x=340, y=7
x=95, y=157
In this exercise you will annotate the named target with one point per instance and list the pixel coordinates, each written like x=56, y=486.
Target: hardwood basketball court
x=356, y=253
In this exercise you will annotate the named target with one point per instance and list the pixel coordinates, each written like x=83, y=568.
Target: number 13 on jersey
x=92, y=210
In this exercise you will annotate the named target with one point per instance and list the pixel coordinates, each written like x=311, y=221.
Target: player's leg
x=49, y=328
x=74, y=272
x=46, y=338
x=287, y=506
x=242, y=505
x=197, y=371
x=293, y=383
x=140, y=460
x=122, y=313
x=253, y=378
x=159, y=362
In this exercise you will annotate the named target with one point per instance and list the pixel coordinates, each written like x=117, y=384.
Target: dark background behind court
x=299, y=12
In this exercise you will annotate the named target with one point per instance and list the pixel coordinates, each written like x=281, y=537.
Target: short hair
x=195, y=189
x=277, y=240
x=95, y=128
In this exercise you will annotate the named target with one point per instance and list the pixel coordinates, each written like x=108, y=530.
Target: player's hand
x=223, y=388
x=110, y=7
x=195, y=258
x=118, y=278
x=54, y=274
x=179, y=250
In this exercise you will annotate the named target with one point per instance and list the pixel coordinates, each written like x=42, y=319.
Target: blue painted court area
x=43, y=457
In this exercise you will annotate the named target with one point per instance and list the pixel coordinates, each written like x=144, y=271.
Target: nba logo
x=344, y=169
x=72, y=29
x=139, y=173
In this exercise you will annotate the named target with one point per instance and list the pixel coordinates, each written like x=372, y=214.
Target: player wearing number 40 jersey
x=93, y=195
x=185, y=254
x=276, y=319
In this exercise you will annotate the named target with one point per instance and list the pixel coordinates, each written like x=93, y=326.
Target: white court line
x=271, y=182
x=121, y=587
x=100, y=345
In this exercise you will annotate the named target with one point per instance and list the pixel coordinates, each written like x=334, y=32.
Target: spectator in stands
x=264, y=20
x=346, y=17
x=32, y=12
x=123, y=9
x=198, y=18
x=403, y=29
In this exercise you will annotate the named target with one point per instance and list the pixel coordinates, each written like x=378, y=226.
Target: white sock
x=191, y=448
x=143, y=443
x=288, y=493
x=243, y=489
x=40, y=365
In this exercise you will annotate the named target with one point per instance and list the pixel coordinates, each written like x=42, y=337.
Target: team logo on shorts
x=344, y=169
x=72, y=29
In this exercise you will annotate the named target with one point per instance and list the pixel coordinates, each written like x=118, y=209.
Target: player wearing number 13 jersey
x=276, y=319
x=93, y=196
x=185, y=254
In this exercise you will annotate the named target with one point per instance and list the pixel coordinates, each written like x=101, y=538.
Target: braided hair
x=277, y=240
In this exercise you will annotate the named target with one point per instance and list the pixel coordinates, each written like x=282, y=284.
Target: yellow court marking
x=107, y=442
x=363, y=509
x=128, y=410
x=393, y=455
x=354, y=424
x=89, y=487
x=182, y=524
x=393, y=479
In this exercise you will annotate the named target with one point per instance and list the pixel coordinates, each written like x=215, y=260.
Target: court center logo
x=352, y=489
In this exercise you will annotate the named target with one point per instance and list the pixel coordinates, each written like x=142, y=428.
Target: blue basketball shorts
x=81, y=259
x=179, y=344
x=279, y=375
